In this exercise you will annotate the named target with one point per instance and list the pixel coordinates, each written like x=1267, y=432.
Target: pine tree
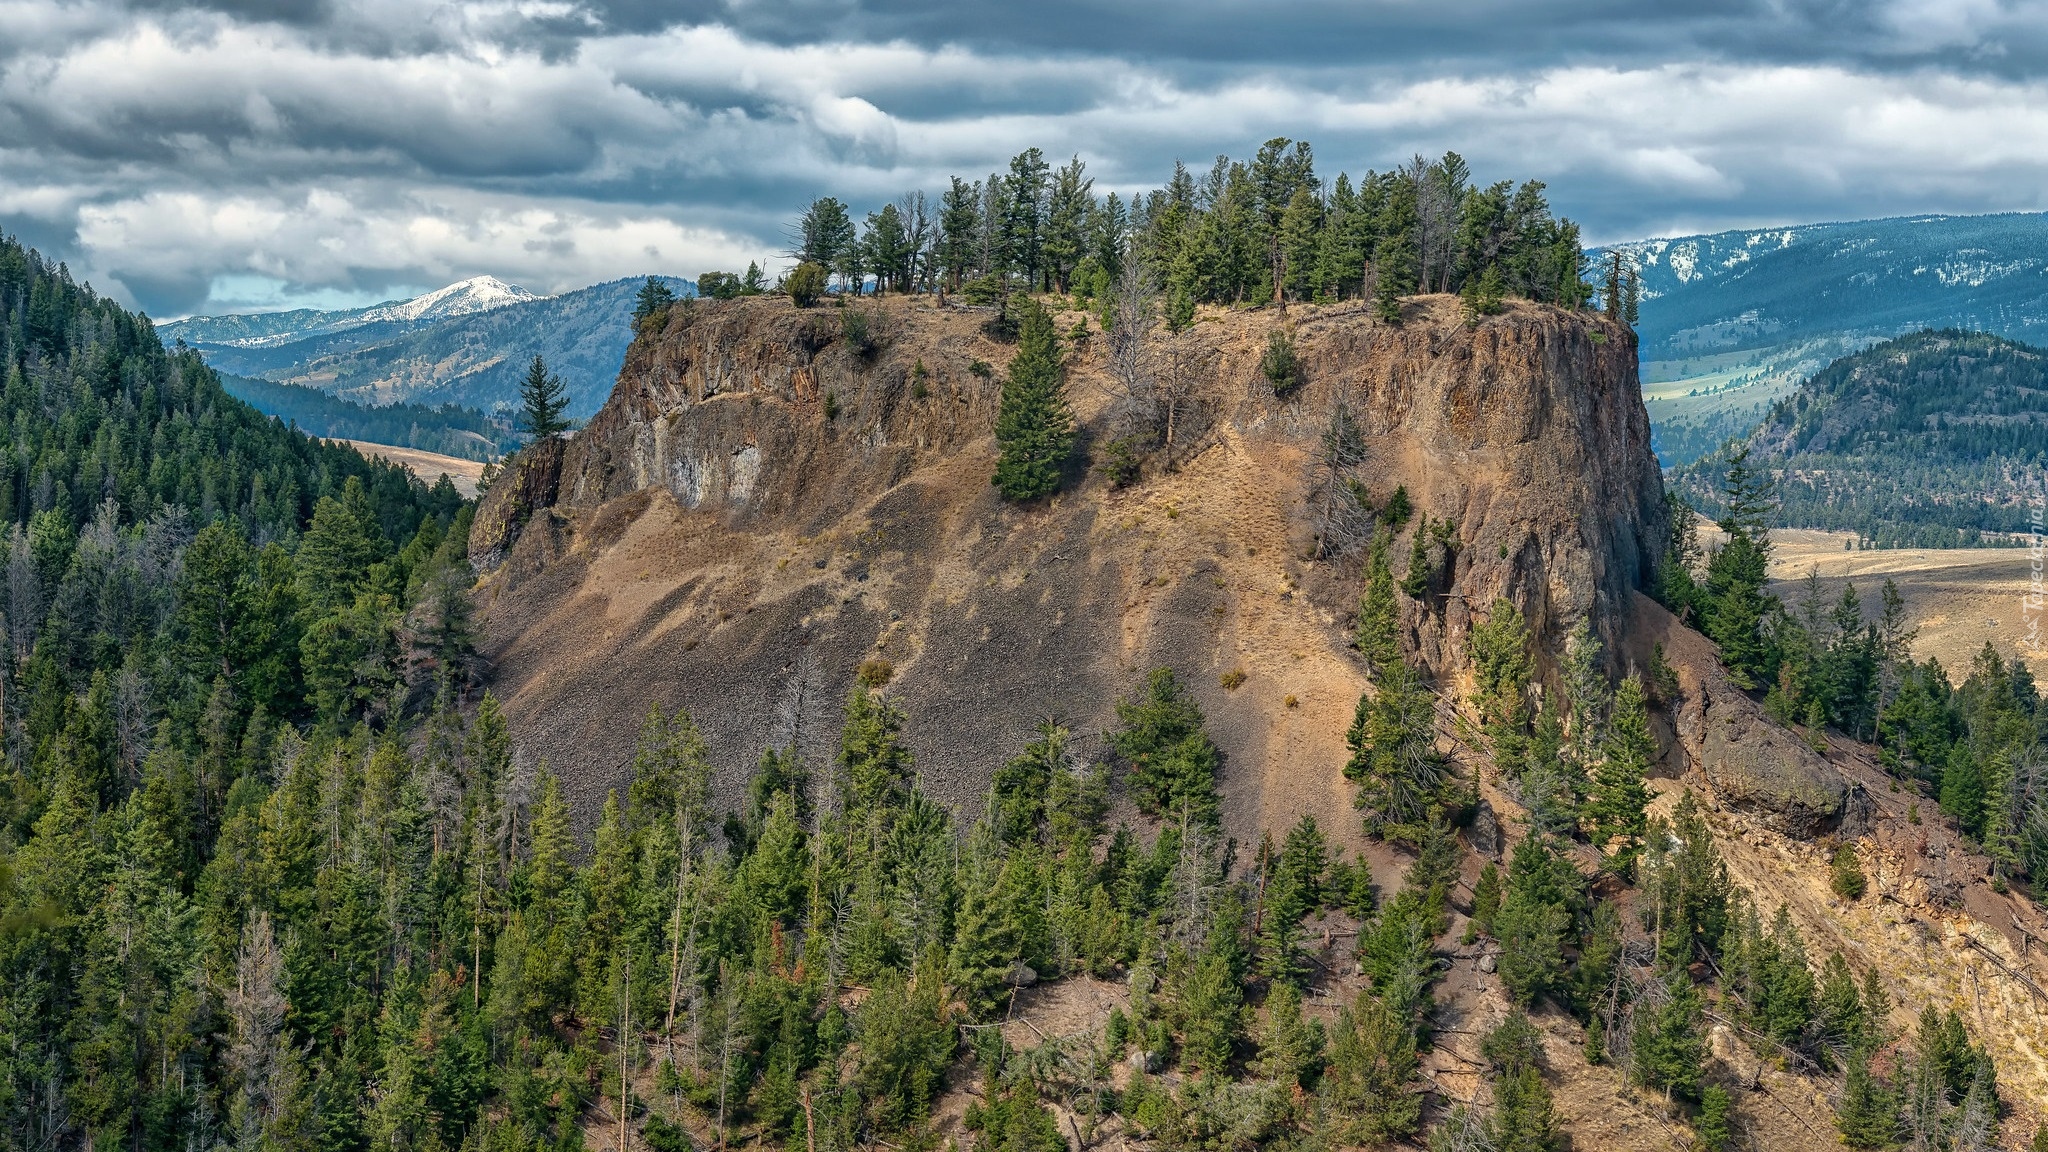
x=1403, y=782
x=875, y=766
x=1502, y=668
x=1522, y=1120
x=543, y=400
x=1378, y=635
x=1173, y=762
x=1868, y=1116
x=1620, y=791
x=1290, y=1044
x=1714, y=1131
x=1394, y=269
x=1670, y=1041
x=1365, y=1097
x=655, y=297
x=1210, y=1002
x=1034, y=426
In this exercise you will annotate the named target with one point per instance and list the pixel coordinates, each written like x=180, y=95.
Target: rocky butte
x=777, y=501
x=762, y=494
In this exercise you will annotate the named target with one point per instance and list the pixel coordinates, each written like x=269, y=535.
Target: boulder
x=1485, y=832
x=1757, y=767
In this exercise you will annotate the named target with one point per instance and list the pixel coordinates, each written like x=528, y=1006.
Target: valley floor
x=1958, y=598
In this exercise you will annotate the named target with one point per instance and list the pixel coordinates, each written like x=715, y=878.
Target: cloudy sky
x=249, y=153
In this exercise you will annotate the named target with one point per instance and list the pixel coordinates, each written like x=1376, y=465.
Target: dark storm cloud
x=167, y=147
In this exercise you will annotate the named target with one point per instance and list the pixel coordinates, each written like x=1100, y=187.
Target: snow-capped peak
x=476, y=294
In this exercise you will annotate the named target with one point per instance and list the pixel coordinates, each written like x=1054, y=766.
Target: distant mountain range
x=270, y=329
x=1733, y=320
x=467, y=344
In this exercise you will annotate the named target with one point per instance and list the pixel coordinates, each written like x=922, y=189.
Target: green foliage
x=1291, y=1045
x=1714, y=1129
x=1686, y=886
x=543, y=401
x=1281, y=365
x=1735, y=606
x=1210, y=1000
x=1403, y=782
x=1481, y=296
x=805, y=284
x=860, y=331
x=1173, y=763
x=449, y=429
x=907, y=1039
x=1845, y=873
x=1378, y=633
x=1670, y=1045
x=1766, y=967
x=1122, y=463
x=1266, y=228
x=1486, y=895
x=1868, y=1114
x=1909, y=443
x=1034, y=426
x=1294, y=889
x=1535, y=919
x=1503, y=666
x=1365, y=1094
x=875, y=767
x=1620, y=790
x=655, y=296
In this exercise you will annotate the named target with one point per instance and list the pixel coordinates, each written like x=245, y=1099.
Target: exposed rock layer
x=760, y=497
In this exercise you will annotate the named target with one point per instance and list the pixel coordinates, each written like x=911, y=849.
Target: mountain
x=1928, y=440
x=467, y=344
x=1732, y=320
x=262, y=329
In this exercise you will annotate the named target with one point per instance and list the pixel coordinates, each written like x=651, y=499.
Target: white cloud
x=406, y=144
x=331, y=237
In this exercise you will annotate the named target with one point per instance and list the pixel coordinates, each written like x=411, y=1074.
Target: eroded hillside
x=714, y=531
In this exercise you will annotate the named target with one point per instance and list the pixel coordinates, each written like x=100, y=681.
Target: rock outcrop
x=772, y=497
x=1750, y=763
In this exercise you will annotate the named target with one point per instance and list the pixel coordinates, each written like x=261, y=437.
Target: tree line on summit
x=1264, y=229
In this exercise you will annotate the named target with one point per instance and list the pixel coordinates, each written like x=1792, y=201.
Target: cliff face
x=767, y=501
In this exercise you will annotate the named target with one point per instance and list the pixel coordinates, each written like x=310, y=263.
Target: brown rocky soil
x=712, y=534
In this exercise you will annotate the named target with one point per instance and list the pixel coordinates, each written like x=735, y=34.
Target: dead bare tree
x=1134, y=321
x=1339, y=513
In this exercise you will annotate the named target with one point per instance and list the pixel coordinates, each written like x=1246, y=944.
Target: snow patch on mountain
x=476, y=294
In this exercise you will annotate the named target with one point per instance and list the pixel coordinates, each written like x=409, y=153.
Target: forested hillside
x=1929, y=440
x=449, y=429
x=273, y=875
x=1770, y=287
x=190, y=586
x=1733, y=321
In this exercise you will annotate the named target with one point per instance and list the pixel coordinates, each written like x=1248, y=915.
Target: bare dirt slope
x=721, y=530
x=428, y=466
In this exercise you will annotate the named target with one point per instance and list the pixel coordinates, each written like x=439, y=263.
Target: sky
x=252, y=154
